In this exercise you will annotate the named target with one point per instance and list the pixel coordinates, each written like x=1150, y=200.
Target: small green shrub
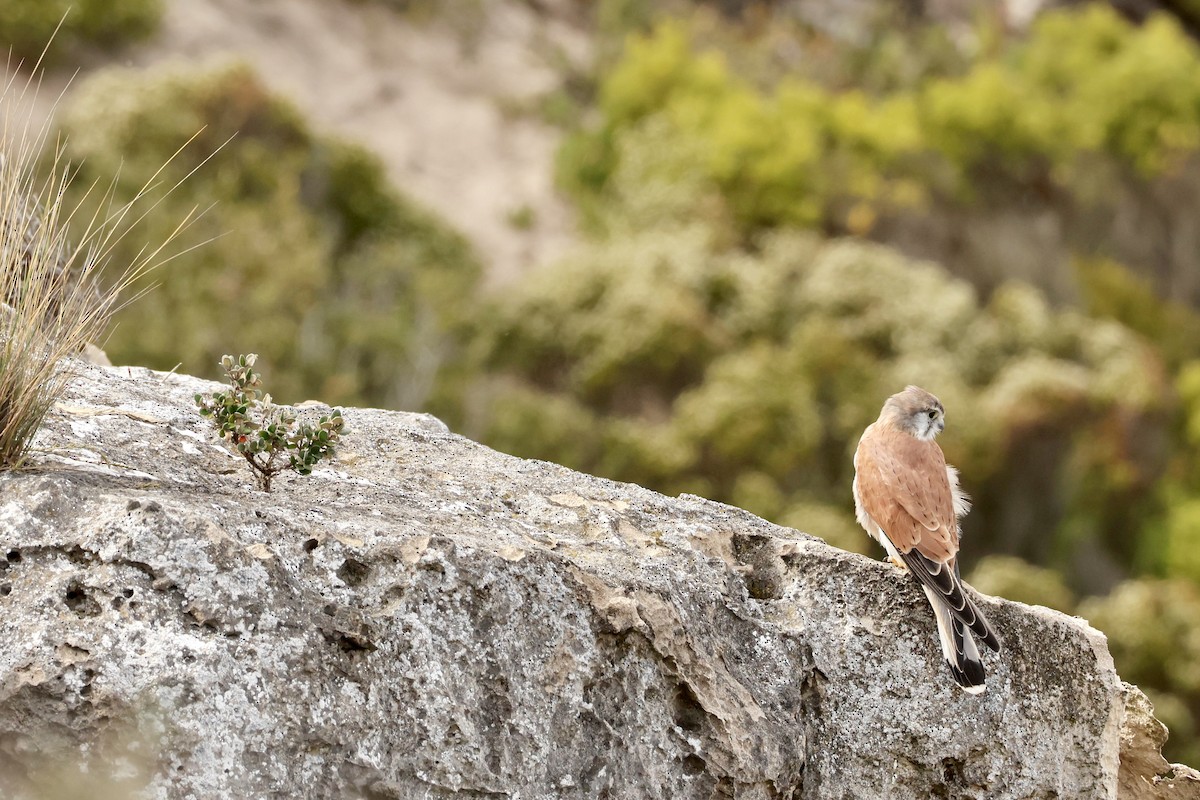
x=269, y=437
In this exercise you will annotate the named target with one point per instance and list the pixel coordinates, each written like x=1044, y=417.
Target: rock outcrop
x=427, y=618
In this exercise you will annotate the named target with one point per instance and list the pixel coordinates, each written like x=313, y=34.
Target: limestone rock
x=427, y=618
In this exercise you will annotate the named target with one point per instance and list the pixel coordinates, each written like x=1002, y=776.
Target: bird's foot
x=898, y=563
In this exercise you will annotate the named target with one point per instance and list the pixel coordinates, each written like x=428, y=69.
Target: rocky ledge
x=426, y=618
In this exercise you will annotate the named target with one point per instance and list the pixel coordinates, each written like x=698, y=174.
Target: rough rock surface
x=427, y=618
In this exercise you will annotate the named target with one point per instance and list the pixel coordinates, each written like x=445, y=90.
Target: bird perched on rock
x=909, y=501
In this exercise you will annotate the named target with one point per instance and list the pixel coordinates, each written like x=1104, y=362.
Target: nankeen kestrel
x=909, y=501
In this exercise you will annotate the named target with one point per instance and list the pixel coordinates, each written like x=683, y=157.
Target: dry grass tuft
x=54, y=297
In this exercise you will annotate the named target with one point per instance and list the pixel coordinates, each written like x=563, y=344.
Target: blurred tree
x=1014, y=579
x=1154, y=635
x=1045, y=147
x=27, y=26
x=346, y=289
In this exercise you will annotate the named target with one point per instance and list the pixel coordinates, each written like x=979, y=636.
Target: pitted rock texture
x=426, y=618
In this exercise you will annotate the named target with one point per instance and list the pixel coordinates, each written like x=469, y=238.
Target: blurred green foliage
x=664, y=358
x=1153, y=629
x=1084, y=84
x=310, y=258
x=1014, y=579
x=1111, y=291
x=28, y=26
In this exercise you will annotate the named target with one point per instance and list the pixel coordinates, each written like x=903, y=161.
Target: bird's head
x=916, y=412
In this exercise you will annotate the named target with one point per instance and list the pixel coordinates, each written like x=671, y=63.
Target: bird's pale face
x=916, y=412
x=928, y=423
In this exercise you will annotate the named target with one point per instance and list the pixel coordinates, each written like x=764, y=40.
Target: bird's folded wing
x=903, y=485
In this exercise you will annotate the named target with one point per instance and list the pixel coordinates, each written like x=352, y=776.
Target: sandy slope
x=429, y=97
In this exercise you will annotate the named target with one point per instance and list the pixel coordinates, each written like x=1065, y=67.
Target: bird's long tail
x=958, y=647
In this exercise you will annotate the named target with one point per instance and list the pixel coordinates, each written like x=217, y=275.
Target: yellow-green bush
x=1122, y=89
x=1182, y=533
x=777, y=158
x=346, y=289
x=28, y=25
x=1112, y=291
x=1189, y=393
x=1176, y=537
x=1085, y=83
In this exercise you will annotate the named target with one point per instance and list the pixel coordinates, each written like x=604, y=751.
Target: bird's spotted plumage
x=908, y=500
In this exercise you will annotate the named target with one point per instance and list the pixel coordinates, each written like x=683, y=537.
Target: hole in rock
x=689, y=714
x=952, y=772
x=79, y=601
x=349, y=643
x=353, y=572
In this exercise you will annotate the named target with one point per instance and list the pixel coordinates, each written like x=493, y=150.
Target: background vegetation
x=780, y=228
x=309, y=254
x=70, y=26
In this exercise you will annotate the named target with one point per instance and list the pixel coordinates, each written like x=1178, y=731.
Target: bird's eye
x=932, y=414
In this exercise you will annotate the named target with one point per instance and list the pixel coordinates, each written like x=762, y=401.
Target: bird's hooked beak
x=941, y=424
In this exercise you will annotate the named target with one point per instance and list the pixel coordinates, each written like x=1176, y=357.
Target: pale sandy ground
x=434, y=97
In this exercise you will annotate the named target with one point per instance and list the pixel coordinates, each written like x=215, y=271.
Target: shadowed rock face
x=428, y=618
